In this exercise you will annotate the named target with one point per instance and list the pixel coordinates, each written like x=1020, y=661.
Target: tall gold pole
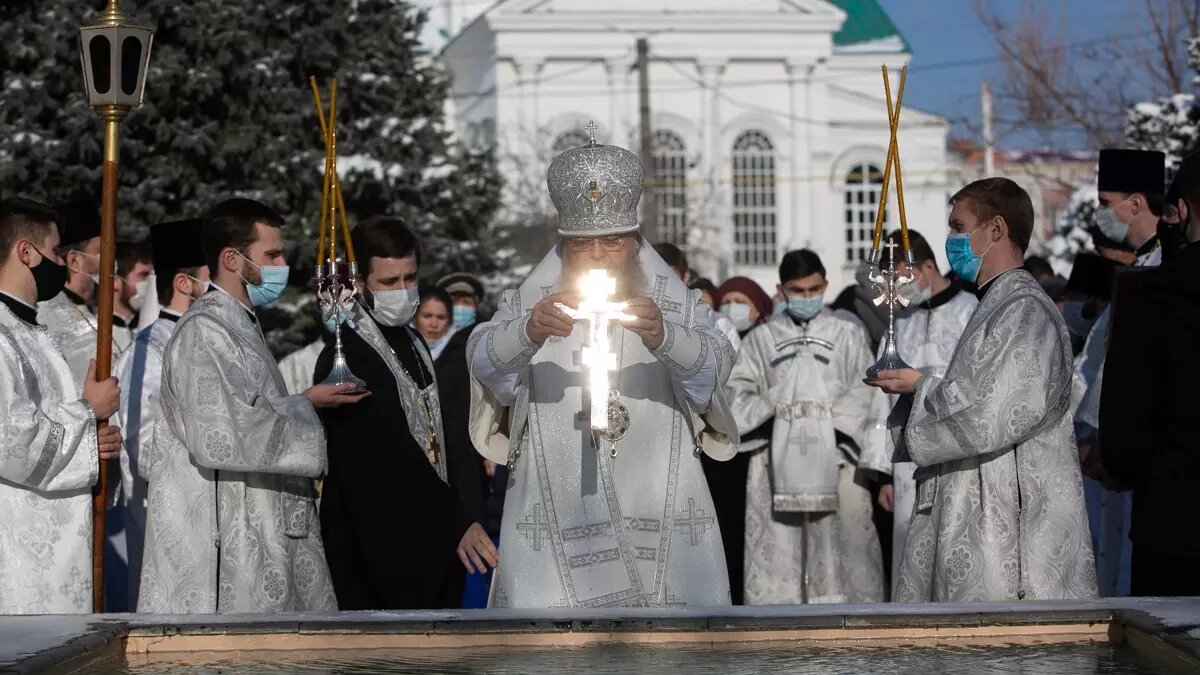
x=112, y=116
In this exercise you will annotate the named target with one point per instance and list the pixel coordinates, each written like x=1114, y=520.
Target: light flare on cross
x=596, y=306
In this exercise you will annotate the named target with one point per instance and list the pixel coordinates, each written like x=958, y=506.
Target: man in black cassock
x=1150, y=440
x=395, y=531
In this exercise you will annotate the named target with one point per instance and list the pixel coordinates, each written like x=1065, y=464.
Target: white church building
x=769, y=122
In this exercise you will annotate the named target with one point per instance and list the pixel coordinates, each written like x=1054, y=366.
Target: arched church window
x=670, y=187
x=570, y=139
x=754, y=199
x=861, y=189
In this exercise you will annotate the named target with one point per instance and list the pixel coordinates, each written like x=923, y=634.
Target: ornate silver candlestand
x=891, y=286
x=334, y=285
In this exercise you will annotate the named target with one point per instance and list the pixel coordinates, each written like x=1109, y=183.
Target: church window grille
x=670, y=187
x=754, y=208
x=861, y=189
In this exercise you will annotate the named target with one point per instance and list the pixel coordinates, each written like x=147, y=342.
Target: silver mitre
x=596, y=189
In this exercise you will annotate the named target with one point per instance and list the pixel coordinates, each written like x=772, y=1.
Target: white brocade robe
x=72, y=327
x=48, y=463
x=231, y=518
x=581, y=528
x=999, y=513
x=297, y=368
x=926, y=339
x=139, y=371
x=817, y=555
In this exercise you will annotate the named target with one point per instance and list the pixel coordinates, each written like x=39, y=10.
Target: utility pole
x=989, y=141
x=649, y=183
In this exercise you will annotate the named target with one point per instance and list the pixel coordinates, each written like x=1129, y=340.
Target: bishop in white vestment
x=809, y=534
x=595, y=520
x=231, y=517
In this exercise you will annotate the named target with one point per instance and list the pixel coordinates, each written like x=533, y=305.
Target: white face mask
x=738, y=314
x=139, y=295
x=396, y=307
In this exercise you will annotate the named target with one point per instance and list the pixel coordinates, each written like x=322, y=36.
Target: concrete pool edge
x=62, y=644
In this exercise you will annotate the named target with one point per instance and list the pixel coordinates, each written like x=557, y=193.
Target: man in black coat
x=396, y=533
x=1151, y=442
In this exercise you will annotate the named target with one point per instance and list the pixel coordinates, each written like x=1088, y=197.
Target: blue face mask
x=464, y=317
x=963, y=259
x=805, y=308
x=274, y=280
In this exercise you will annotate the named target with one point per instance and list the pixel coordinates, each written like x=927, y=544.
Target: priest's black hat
x=1132, y=171
x=78, y=221
x=1092, y=276
x=1186, y=177
x=177, y=245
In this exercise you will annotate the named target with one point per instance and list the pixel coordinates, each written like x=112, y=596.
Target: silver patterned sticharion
x=596, y=189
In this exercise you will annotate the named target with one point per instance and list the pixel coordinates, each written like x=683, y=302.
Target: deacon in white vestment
x=999, y=512
x=809, y=535
x=49, y=447
x=178, y=257
x=68, y=317
x=591, y=521
x=1128, y=182
x=231, y=515
x=926, y=335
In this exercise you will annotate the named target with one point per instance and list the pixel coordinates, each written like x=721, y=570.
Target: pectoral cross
x=596, y=289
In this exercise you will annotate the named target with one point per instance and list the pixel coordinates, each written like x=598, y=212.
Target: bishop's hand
x=646, y=321
x=547, y=319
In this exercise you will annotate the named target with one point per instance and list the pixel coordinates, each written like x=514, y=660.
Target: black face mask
x=1170, y=238
x=49, y=277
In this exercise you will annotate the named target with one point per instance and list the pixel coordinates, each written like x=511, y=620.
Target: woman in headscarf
x=744, y=303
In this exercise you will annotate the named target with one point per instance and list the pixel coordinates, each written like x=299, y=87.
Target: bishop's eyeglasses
x=584, y=244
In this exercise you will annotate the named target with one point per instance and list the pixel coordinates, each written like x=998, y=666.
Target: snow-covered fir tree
x=228, y=110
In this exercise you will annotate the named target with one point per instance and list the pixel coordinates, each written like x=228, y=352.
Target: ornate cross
x=591, y=129
x=595, y=306
x=693, y=522
x=534, y=528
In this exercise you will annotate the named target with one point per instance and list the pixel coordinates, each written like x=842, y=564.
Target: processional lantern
x=889, y=283
x=114, y=52
x=336, y=280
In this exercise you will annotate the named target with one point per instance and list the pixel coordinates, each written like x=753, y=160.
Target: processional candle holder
x=892, y=287
x=337, y=281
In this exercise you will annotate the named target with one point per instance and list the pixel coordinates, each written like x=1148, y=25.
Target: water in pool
x=1071, y=659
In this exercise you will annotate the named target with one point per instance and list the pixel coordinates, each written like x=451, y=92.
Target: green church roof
x=865, y=22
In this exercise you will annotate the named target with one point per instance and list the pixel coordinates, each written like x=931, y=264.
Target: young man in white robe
x=999, y=513
x=231, y=523
x=621, y=517
x=180, y=277
x=1130, y=193
x=50, y=448
x=809, y=534
x=69, y=317
x=926, y=334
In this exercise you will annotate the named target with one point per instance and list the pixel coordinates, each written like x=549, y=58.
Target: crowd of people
x=1036, y=447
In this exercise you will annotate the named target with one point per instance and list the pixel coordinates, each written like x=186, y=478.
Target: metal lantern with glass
x=893, y=286
x=114, y=52
x=336, y=280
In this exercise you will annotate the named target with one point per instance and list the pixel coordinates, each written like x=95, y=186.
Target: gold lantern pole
x=336, y=279
x=106, y=48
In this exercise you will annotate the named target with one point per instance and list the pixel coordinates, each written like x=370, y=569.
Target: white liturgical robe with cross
x=583, y=527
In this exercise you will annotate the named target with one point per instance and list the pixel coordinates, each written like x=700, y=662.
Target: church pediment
x=683, y=7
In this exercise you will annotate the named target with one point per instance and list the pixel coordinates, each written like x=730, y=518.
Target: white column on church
x=530, y=70
x=801, y=223
x=712, y=167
